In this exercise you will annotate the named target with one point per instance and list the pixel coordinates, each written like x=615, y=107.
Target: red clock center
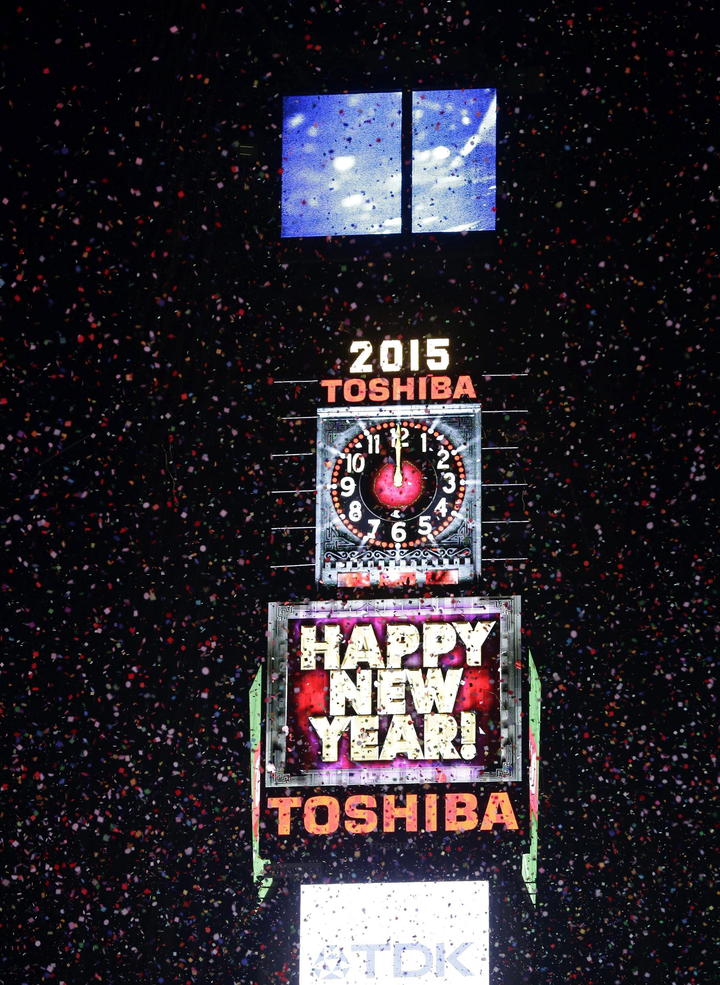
x=405, y=494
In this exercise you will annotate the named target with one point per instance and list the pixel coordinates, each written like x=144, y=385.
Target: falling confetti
x=149, y=306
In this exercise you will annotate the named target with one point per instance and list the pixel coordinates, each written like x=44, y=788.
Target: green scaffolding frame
x=262, y=881
x=530, y=859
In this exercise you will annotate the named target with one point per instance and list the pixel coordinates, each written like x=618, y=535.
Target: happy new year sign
x=393, y=691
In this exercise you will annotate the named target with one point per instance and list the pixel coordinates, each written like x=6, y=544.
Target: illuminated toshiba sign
x=393, y=691
x=362, y=814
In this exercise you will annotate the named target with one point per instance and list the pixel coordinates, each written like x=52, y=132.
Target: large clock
x=398, y=495
x=398, y=483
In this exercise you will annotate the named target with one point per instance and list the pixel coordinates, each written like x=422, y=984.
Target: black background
x=147, y=305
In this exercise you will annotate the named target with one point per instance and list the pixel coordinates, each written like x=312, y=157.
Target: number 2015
x=392, y=355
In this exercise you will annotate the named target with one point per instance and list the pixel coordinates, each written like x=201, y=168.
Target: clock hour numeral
x=374, y=526
x=443, y=458
x=423, y=440
x=398, y=532
x=404, y=434
x=425, y=526
x=355, y=511
x=347, y=486
x=355, y=463
x=449, y=482
x=441, y=507
x=373, y=444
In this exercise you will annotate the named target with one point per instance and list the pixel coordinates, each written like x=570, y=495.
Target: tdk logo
x=398, y=960
x=330, y=964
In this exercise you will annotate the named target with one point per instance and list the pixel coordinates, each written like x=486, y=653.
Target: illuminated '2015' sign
x=393, y=355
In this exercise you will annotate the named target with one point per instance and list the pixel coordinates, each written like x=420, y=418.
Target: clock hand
x=398, y=476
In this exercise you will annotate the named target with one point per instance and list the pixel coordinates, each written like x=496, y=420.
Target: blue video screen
x=453, y=164
x=341, y=164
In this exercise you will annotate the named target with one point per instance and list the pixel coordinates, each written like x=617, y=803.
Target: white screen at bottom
x=385, y=933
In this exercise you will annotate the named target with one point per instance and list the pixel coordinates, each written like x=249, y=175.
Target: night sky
x=148, y=307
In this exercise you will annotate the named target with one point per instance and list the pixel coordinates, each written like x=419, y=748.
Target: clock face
x=398, y=483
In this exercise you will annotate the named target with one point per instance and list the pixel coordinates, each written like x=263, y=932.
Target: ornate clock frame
x=341, y=560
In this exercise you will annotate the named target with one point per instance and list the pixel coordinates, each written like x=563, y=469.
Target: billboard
x=390, y=691
x=453, y=162
x=382, y=933
x=342, y=163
